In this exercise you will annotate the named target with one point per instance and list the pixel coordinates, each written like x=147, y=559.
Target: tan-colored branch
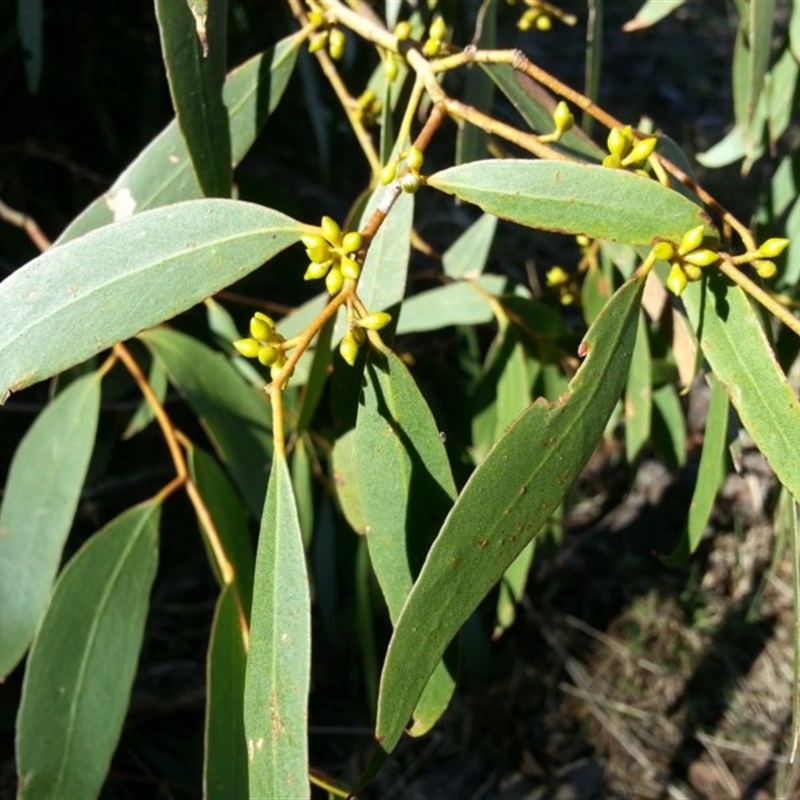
x=28, y=224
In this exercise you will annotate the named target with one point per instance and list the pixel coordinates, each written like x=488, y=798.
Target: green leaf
x=503, y=505
x=651, y=12
x=639, y=395
x=225, y=762
x=39, y=503
x=536, y=106
x=512, y=588
x=461, y=303
x=399, y=455
x=734, y=344
x=472, y=142
x=162, y=173
x=235, y=415
x=229, y=517
x=573, y=198
x=383, y=280
x=279, y=660
x=466, y=257
x=196, y=73
x=75, y=300
x=710, y=475
x=669, y=426
x=82, y=664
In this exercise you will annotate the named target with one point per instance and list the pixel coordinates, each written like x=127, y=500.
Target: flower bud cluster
x=432, y=46
x=368, y=107
x=687, y=260
x=324, y=33
x=539, y=15
x=264, y=343
x=333, y=255
x=626, y=151
x=410, y=180
x=563, y=283
x=763, y=264
x=356, y=333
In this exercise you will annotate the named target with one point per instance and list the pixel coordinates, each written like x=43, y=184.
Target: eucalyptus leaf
x=279, y=657
x=196, y=73
x=506, y=501
x=32, y=534
x=574, y=198
x=75, y=300
x=81, y=667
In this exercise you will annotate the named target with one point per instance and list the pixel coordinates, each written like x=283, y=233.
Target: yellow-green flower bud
x=692, y=272
x=319, y=253
x=316, y=17
x=410, y=182
x=350, y=268
x=701, y=258
x=562, y=117
x=676, y=280
x=315, y=270
x=390, y=69
x=612, y=162
x=313, y=239
x=528, y=19
x=336, y=44
x=438, y=29
x=618, y=143
x=388, y=173
x=556, y=276
x=317, y=41
x=334, y=281
x=247, y=347
x=766, y=269
x=641, y=151
x=402, y=31
x=772, y=248
x=543, y=22
x=352, y=242
x=331, y=231
x=691, y=240
x=349, y=348
x=431, y=47
x=415, y=159
x=663, y=251
x=375, y=321
x=262, y=327
x=268, y=355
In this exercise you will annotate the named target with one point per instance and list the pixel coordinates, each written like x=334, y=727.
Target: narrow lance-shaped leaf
x=733, y=342
x=504, y=504
x=75, y=300
x=399, y=456
x=193, y=42
x=574, y=198
x=279, y=661
x=81, y=666
x=710, y=475
x=162, y=173
x=225, y=762
x=50, y=465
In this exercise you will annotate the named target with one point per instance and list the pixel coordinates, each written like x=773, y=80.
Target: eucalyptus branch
x=347, y=101
x=757, y=293
x=28, y=224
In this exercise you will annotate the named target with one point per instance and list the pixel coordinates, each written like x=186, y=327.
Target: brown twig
x=28, y=224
